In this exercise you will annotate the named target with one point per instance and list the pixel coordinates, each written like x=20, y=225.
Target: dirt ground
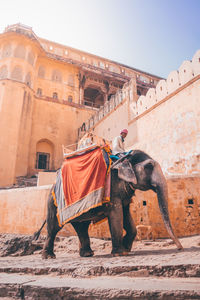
x=152, y=270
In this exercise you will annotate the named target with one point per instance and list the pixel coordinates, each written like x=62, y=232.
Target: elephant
x=135, y=170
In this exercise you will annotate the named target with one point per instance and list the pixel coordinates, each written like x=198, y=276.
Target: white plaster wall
x=170, y=131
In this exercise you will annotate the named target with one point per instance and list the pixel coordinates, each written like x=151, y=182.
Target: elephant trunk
x=162, y=195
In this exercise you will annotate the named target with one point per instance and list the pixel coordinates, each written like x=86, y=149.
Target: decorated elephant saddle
x=82, y=183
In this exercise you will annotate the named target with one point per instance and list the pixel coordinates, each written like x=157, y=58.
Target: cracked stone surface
x=153, y=270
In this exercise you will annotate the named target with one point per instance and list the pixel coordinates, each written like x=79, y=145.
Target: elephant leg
x=52, y=229
x=81, y=229
x=130, y=228
x=115, y=220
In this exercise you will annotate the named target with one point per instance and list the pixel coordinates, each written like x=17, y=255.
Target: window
x=55, y=95
x=42, y=160
x=20, y=51
x=70, y=99
x=190, y=201
x=41, y=72
x=39, y=92
x=6, y=51
x=56, y=76
x=101, y=64
x=16, y=73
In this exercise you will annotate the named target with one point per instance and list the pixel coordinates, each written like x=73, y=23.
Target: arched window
x=41, y=72
x=44, y=155
x=55, y=95
x=70, y=99
x=56, y=76
x=3, y=72
x=16, y=73
x=20, y=51
x=6, y=52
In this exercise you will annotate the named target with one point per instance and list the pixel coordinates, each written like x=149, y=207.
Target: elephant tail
x=37, y=233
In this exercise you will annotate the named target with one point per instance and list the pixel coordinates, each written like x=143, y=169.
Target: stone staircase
x=153, y=270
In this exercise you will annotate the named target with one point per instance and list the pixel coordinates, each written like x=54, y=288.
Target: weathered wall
x=46, y=178
x=170, y=131
x=28, y=119
x=42, y=90
x=184, y=207
x=23, y=210
x=55, y=124
x=10, y=123
x=164, y=123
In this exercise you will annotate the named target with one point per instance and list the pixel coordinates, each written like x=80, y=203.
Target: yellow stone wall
x=54, y=124
x=30, y=122
x=23, y=210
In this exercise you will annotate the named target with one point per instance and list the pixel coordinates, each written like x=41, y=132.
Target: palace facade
x=47, y=92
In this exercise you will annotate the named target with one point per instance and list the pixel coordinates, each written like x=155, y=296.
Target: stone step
x=183, y=271
x=135, y=264
x=105, y=287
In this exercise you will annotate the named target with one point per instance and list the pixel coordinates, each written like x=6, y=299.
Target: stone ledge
x=40, y=287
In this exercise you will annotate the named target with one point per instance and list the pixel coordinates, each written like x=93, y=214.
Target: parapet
x=175, y=80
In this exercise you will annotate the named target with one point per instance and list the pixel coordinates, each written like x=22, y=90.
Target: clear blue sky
x=155, y=36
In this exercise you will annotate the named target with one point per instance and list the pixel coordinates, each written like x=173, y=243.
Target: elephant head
x=143, y=173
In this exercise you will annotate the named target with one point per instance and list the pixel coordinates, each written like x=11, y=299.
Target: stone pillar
x=105, y=97
x=82, y=80
x=81, y=95
x=107, y=87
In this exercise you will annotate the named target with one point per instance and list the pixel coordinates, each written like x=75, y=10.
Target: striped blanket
x=81, y=184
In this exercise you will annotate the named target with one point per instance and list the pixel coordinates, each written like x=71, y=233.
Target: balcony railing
x=91, y=104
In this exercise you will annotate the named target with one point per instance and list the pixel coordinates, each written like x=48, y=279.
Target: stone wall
x=164, y=123
x=23, y=210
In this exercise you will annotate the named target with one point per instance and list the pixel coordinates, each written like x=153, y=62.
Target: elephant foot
x=120, y=252
x=46, y=255
x=128, y=248
x=127, y=244
x=124, y=253
x=86, y=253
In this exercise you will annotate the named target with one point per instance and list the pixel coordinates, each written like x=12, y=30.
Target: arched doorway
x=93, y=97
x=44, y=155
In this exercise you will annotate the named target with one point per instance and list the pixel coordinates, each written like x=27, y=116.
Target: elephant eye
x=149, y=166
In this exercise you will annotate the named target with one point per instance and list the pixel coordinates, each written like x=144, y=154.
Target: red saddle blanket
x=80, y=184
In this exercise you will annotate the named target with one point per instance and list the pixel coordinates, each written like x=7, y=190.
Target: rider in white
x=118, y=143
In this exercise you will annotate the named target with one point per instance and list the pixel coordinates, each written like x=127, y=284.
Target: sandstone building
x=48, y=91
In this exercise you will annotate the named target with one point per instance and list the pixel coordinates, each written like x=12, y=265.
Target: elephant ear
x=125, y=171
